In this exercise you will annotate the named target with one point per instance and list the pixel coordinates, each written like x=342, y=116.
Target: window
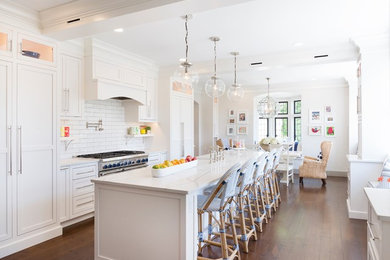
x=281, y=127
x=297, y=129
x=297, y=107
x=283, y=105
x=263, y=128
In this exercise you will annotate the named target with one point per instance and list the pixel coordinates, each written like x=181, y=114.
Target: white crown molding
x=94, y=10
x=18, y=16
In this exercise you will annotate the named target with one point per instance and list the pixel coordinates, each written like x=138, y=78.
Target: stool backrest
x=260, y=165
x=278, y=154
x=246, y=173
x=225, y=188
x=270, y=162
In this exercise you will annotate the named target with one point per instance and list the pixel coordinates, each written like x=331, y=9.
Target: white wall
x=316, y=96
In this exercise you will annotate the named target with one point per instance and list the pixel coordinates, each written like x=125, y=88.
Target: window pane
x=281, y=127
x=283, y=108
x=263, y=128
x=297, y=129
x=297, y=107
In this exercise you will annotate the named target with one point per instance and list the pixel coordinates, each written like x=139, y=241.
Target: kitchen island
x=141, y=217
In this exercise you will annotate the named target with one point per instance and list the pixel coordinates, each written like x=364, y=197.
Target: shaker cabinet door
x=36, y=140
x=5, y=152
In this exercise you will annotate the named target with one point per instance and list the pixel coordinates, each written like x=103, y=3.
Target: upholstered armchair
x=315, y=168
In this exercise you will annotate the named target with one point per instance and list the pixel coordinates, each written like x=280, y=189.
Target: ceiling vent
x=321, y=56
x=256, y=63
x=74, y=20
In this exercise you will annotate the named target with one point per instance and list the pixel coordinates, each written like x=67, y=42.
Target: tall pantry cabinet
x=27, y=143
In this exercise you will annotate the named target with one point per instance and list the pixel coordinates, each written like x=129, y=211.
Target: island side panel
x=133, y=223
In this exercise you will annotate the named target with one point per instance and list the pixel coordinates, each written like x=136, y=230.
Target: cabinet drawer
x=83, y=204
x=375, y=223
x=82, y=186
x=84, y=171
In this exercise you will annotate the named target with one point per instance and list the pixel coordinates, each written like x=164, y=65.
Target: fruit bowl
x=158, y=173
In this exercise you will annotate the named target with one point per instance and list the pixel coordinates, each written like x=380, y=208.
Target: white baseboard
x=23, y=243
x=78, y=219
x=355, y=214
x=337, y=173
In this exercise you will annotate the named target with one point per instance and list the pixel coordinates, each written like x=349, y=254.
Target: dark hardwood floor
x=311, y=223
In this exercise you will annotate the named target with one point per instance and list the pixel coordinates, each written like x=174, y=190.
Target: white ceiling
x=254, y=28
x=40, y=5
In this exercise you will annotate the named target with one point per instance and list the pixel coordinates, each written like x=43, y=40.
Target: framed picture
x=329, y=131
x=315, y=130
x=242, y=117
x=328, y=109
x=231, y=120
x=242, y=129
x=315, y=116
x=230, y=130
x=231, y=113
x=329, y=119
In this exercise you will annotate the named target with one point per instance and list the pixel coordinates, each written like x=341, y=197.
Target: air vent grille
x=74, y=20
x=321, y=56
x=256, y=63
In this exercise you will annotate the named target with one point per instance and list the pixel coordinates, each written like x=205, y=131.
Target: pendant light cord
x=186, y=37
x=215, y=59
x=235, y=70
x=186, y=41
x=268, y=87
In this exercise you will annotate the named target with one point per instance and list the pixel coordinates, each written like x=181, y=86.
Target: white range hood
x=111, y=73
x=99, y=89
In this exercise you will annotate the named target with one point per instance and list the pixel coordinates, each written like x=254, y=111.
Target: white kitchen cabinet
x=36, y=142
x=63, y=194
x=360, y=172
x=72, y=76
x=6, y=42
x=157, y=157
x=82, y=189
x=36, y=50
x=6, y=147
x=378, y=223
x=75, y=191
x=182, y=126
x=148, y=112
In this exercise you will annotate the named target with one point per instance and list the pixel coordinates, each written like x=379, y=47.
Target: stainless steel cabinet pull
x=10, y=150
x=20, y=150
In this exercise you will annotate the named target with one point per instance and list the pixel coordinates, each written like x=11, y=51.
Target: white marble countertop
x=186, y=181
x=76, y=160
x=380, y=201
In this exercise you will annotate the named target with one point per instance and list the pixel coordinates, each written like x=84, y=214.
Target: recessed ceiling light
x=118, y=30
x=298, y=44
x=313, y=78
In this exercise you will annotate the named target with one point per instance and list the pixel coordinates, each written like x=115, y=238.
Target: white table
x=141, y=217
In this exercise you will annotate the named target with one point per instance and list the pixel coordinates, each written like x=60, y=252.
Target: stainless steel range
x=117, y=161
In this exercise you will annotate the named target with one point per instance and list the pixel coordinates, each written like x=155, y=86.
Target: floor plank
x=311, y=223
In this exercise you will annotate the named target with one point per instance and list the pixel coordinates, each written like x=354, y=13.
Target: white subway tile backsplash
x=111, y=138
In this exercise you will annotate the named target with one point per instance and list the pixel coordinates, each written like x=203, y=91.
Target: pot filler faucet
x=98, y=126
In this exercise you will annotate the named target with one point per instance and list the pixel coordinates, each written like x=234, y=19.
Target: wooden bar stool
x=218, y=203
x=257, y=192
x=243, y=204
x=269, y=185
x=275, y=178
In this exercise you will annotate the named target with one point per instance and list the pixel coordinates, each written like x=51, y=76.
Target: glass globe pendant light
x=268, y=107
x=215, y=87
x=183, y=71
x=235, y=93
